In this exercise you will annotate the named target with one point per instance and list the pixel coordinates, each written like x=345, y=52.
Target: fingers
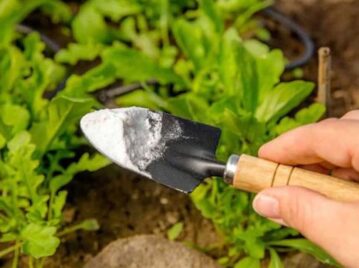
x=319, y=219
x=316, y=168
x=327, y=169
x=334, y=141
x=354, y=115
x=346, y=173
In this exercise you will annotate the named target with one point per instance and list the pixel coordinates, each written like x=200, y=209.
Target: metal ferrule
x=231, y=167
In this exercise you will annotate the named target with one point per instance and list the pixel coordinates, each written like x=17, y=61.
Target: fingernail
x=267, y=206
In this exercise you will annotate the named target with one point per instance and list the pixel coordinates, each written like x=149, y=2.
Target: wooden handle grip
x=255, y=174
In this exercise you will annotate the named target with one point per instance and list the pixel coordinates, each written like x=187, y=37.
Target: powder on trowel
x=131, y=137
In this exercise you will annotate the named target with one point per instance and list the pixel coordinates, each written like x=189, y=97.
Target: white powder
x=130, y=137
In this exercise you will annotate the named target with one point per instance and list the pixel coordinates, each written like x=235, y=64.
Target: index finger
x=334, y=141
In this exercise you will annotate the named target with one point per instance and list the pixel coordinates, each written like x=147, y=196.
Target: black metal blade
x=189, y=159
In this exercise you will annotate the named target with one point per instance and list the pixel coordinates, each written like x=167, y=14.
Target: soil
x=330, y=23
x=126, y=205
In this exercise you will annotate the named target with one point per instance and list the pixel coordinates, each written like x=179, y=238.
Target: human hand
x=328, y=146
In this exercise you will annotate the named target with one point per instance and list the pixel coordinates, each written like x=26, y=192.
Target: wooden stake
x=324, y=78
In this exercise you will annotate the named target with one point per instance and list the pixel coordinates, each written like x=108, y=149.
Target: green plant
x=37, y=137
x=209, y=74
x=233, y=84
x=205, y=71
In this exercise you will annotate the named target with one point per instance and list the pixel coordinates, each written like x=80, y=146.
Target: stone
x=149, y=251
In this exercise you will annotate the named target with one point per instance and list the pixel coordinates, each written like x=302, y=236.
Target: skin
x=332, y=146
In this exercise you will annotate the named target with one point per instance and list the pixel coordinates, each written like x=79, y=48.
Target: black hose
x=299, y=32
x=51, y=44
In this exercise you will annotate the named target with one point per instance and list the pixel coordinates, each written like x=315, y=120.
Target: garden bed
x=126, y=205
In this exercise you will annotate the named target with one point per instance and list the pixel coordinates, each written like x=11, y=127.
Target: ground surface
x=125, y=205
x=332, y=23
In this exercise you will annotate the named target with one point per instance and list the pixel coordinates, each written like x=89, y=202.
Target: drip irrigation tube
x=299, y=32
x=51, y=44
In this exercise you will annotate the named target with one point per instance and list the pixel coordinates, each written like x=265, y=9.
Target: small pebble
x=164, y=201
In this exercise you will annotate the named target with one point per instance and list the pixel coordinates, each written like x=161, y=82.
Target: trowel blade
x=185, y=159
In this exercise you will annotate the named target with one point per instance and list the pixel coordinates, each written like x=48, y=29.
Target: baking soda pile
x=130, y=137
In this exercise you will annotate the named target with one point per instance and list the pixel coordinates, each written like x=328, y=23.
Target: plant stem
x=15, y=263
x=69, y=230
x=41, y=263
x=31, y=262
x=9, y=250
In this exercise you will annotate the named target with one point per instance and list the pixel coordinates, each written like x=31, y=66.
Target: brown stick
x=324, y=78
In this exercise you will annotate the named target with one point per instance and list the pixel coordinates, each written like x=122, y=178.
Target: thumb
x=318, y=218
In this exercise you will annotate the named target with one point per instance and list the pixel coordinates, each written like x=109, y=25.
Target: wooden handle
x=255, y=174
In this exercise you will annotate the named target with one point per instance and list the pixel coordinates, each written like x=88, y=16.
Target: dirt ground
x=126, y=205
x=331, y=23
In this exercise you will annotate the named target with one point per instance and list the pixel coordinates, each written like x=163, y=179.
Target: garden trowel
x=180, y=153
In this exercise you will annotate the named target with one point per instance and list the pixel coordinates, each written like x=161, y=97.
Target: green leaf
x=189, y=106
x=238, y=70
x=228, y=65
x=58, y=204
x=307, y=247
x=248, y=262
x=86, y=225
x=275, y=261
x=12, y=64
x=76, y=52
x=133, y=65
x=189, y=38
x=59, y=11
x=44, y=74
x=15, y=116
x=85, y=163
x=201, y=200
x=116, y=9
x=89, y=225
x=13, y=12
x=175, y=231
x=307, y=115
x=62, y=112
x=96, y=78
x=310, y=114
x=89, y=25
x=283, y=99
x=141, y=98
x=39, y=241
x=211, y=11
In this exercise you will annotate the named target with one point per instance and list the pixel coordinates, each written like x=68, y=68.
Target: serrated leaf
x=175, y=231
x=89, y=26
x=248, y=262
x=62, y=112
x=86, y=163
x=76, y=52
x=133, y=65
x=39, y=241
